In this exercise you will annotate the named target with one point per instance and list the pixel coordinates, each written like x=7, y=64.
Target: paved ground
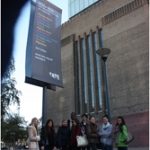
x=134, y=148
x=130, y=148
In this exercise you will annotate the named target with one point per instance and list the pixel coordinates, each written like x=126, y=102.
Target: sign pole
x=44, y=106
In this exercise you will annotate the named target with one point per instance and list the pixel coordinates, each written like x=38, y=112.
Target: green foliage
x=10, y=69
x=9, y=93
x=13, y=128
x=9, y=96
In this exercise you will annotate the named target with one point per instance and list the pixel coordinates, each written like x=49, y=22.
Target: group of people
x=104, y=134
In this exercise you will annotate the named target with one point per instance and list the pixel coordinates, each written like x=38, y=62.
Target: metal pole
x=106, y=89
x=44, y=106
x=104, y=52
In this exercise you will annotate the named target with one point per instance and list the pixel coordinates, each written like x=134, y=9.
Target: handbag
x=130, y=138
x=82, y=141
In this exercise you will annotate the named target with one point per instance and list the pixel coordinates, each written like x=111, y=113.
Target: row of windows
x=88, y=75
x=76, y=6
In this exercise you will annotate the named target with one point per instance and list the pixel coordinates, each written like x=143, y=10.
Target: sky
x=31, y=97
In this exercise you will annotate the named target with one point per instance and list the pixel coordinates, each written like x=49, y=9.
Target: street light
x=104, y=52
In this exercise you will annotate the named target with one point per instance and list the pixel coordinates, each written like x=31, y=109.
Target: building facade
x=123, y=29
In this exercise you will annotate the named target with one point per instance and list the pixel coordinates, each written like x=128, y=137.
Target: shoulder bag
x=82, y=141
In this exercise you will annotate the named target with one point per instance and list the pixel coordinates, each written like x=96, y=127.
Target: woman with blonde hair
x=33, y=137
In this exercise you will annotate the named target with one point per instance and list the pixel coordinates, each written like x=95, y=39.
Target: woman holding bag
x=75, y=131
x=121, y=133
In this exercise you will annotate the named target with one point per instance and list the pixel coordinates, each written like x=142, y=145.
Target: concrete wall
x=128, y=38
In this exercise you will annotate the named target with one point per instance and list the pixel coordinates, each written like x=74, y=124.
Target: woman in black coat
x=48, y=136
x=63, y=136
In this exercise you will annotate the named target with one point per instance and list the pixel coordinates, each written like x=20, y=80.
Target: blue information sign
x=43, y=54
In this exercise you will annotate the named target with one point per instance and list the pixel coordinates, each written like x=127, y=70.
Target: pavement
x=134, y=148
x=138, y=148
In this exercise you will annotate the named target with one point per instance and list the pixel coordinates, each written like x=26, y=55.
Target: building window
x=87, y=69
x=75, y=6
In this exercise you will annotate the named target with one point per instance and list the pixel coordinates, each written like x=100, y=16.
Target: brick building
x=121, y=26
